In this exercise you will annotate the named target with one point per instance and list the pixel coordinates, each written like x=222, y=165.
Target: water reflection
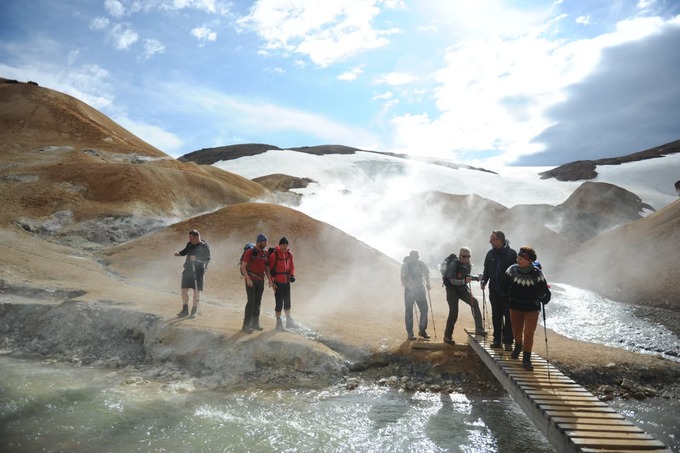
x=62, y=408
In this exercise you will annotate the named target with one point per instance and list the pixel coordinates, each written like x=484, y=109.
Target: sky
x=484, y=83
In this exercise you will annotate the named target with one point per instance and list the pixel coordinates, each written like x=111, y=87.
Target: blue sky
x=481, y=82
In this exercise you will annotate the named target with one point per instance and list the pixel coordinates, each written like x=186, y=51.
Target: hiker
x=282, y=268
x=457, y=280
x=413, y=274
x=197, y=255
x=254, y=268
x=497, y=261
x=526, y=289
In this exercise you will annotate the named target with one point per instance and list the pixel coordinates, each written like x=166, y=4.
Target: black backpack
x=445, y=268
x=251, y=246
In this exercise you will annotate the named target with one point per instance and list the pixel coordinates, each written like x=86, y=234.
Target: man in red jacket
x=282, y=267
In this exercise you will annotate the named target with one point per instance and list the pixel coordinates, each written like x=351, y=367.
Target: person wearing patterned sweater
x=526, y=289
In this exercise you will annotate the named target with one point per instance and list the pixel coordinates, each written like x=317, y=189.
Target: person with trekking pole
x=197, y=255
x=415, y=277
x=527, y=290
x=457, y=283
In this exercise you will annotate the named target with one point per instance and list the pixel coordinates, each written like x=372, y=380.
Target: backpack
x=445, y=269
x=276, y=258
x=251, y=246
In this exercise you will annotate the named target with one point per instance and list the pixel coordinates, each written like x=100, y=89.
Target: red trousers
x=523, y=327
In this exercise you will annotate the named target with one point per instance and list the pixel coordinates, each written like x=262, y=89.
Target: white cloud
x=259, y=118
x=210, y=6
x=384, y=96
x=494, y=93
x=152, y=47
x=395, y=78
x=352, y=74
x=153, y=135
x=89, y=83
x=326, y=32
x=204, y=34
x=584, y=20
x=99, y=23
x=122, y=36
x=114, y=8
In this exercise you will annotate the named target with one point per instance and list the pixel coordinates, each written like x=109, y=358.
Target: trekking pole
x=545, y=334
x=434, y=327
x=193, y=268
x=415, y=310
x=484, y=308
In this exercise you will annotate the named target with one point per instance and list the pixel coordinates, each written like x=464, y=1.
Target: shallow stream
x=53, y=407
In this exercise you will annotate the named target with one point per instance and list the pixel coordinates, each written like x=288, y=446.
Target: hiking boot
x=411, y=337
x=290, y=324
x=184, y=312
x=194, y=309
x=449, y=341
x=495, y=345
x=481, y=333
x=526, y=361
x=516, y=351
x=279, y=325
x=424, y=334
x=507, y=346
x=246, y=329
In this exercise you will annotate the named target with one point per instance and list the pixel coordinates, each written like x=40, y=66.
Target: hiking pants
x=418, y=296
x=453, y=295
x=524, y=326
x=254, y=293
x=500, y=317
x=282, y=297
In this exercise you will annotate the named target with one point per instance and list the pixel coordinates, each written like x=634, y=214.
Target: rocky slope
x=586, y=169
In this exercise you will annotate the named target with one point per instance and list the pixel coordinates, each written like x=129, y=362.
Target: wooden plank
x=580, y=408
x=564, y=391
x=544, y=382
x=587, y=421
x=554, y=399
x=561, y=409
x=619, y=450
x=609, y=435
x=585, y=414
x=427, y=345
x=611, y=443
x=622, y=428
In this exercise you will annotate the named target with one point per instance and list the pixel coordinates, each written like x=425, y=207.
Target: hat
x=261, y=238
x=283, y=241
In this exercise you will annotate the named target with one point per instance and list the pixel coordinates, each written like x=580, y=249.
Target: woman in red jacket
x=282, y=268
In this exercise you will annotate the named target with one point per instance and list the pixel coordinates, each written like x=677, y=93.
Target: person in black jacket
x=526, y=288
x=197, y=255
x=497, y=261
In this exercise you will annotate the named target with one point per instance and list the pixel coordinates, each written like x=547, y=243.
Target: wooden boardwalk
x=570, y=417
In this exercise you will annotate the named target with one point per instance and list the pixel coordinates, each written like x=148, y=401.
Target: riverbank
x=184, y=352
